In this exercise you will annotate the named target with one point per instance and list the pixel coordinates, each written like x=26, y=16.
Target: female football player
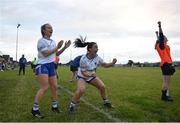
x=87, y=73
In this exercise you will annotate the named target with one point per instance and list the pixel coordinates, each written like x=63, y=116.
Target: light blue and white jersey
x=89, y=64
x=45, y=44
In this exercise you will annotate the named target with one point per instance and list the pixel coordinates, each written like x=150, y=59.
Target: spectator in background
x=34, y=64
x=22, y=64
x=56, y=59
x=3, y=65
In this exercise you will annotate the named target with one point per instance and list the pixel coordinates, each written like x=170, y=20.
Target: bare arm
x=106, y=65
x=88, y=74
x=49, y=52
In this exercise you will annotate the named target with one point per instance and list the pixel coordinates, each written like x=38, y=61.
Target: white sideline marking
x=91, y=105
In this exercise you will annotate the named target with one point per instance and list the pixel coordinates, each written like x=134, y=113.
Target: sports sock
x=54, y=104
x=72, y=104
x=167, y=93
x=35, y=106
x=105, y=101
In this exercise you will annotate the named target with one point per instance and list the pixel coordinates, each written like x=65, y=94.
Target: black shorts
x=56, y=66
x=73, y=69
x=167, y=69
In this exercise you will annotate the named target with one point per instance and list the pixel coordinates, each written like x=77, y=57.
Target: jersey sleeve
x=100, y=61
x=41, y=46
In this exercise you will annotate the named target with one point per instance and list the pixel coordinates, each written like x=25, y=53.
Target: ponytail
x=80, y=42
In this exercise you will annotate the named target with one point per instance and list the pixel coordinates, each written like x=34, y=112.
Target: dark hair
x=43, y=28
x=80, y=42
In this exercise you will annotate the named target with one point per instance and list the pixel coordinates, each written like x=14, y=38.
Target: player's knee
x=81, y=90
x=54, y=86
x=45, y=88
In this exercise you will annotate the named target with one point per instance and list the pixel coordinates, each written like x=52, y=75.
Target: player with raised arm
x=168, y=70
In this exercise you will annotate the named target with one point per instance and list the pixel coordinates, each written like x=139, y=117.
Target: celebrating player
x=166, y=63
x=87, y=72
x=46, y=70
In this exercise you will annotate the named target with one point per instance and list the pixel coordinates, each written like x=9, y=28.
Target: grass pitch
x=135, y=93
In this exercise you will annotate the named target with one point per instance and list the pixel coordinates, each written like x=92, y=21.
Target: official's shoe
x=164, y=96
x=167, y=98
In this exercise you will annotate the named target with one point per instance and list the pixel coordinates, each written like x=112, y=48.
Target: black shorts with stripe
x=167, y=69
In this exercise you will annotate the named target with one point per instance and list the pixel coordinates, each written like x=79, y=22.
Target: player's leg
x=98, y=83
x=54, y=93
x=165, y=88
x=81, y=86
x=167, y=72
x=43, y=80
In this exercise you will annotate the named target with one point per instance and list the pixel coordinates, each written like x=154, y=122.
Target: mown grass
x=135, y=93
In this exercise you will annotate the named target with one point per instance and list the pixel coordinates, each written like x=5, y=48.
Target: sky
x=123, y=29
